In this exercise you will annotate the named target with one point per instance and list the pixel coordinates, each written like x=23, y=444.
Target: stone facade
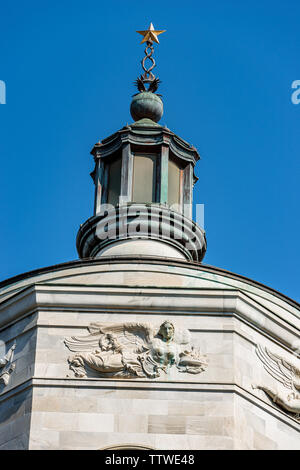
x=45, y=406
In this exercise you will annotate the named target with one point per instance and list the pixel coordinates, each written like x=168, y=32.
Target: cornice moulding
x=229, y=302
x=141, y=384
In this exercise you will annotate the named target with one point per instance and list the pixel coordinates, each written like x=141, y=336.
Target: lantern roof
x=146, y=133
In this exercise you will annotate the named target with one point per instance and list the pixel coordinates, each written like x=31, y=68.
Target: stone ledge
x=140, y=384
x=233, y=302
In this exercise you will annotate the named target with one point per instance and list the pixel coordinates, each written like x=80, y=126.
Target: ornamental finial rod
x=149, y=37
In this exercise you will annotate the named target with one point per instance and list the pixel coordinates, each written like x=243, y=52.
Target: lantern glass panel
x=114, y=182
x=144, y=178
x=174, y=179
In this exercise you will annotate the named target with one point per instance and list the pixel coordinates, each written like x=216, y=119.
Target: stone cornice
x=185, y=302
x=29, y=278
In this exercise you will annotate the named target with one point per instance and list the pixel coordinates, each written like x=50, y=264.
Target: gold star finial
x=151, y=34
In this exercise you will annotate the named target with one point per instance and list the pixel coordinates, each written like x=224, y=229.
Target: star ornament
x=151, y=34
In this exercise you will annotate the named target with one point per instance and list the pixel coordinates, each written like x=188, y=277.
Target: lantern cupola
x=144, y=178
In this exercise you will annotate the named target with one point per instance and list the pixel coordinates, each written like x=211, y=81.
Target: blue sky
x=227, y=69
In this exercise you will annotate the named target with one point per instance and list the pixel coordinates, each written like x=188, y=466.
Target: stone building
x=138, y=344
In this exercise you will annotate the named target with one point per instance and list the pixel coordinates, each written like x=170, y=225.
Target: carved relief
x=7, y=366
x=133, y=350
x=286, y=392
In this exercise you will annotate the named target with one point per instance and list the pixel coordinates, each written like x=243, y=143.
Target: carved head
x=114, y=343
x=104, y=343
x=167, y=330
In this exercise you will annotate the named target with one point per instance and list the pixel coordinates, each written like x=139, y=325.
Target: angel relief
x=285, y=392
x=133, y=350
x=7, y=366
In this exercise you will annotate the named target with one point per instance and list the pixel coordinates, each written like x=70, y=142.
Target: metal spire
x=149, y=36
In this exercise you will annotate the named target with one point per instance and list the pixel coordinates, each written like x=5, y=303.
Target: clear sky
x=227, y=69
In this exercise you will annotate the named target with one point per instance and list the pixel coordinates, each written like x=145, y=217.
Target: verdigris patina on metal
x=146, y=103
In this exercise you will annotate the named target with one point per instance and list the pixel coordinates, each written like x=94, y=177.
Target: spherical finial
x=146, y=105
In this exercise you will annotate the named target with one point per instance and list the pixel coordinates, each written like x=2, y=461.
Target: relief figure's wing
x=138, y=336
x=134, y=336
x=276, y=366
x=182, y=337
x=7, y=366
x=82, y=343
x=8, y=358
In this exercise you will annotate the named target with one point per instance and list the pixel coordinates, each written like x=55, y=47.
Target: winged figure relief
x=286, y=395
x=133, y=350
x=6, y=365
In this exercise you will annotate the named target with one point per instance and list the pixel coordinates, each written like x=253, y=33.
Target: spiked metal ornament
x=140, y=83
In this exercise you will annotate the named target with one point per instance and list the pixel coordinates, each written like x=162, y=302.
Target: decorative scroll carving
x=7, y=366
x=288, y=376
x=133, y=350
